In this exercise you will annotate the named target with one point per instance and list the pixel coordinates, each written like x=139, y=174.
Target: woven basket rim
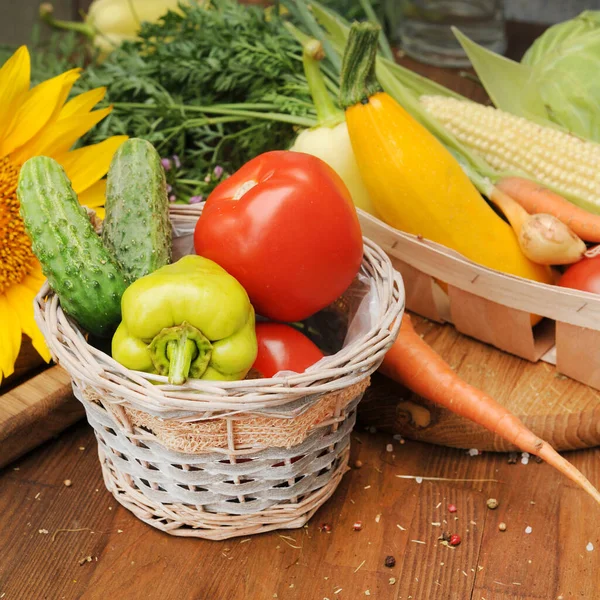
x=90, y=366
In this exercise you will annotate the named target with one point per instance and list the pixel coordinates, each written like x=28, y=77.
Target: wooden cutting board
x=35, y=411
x=561, y=411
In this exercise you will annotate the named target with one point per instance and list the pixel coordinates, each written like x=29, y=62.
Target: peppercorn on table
x=409, y=520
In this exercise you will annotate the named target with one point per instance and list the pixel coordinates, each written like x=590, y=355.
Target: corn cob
x=563, y=162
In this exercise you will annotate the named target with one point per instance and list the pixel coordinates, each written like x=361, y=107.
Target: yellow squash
x=109, y=23
x=415, y=184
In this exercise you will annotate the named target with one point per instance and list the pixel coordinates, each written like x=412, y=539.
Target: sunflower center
x=16, y=257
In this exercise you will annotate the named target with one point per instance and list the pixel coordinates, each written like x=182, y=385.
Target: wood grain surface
x=35, y=411
x=77, y=542
x=36, y=404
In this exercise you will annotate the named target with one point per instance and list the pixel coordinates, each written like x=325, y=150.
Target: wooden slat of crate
x=578, y=353
x=505, y=328
x=556, y=303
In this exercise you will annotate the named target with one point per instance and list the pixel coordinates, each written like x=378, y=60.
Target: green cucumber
x=137, y=229
x=81, y=271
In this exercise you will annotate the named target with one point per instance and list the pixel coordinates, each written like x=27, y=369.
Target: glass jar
x=423, y=28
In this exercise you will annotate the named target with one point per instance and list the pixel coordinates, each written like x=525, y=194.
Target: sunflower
x=40, y=121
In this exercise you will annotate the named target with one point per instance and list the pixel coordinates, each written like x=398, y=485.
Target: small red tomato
x=285, y=227
x=583, y=275
x=283, y=348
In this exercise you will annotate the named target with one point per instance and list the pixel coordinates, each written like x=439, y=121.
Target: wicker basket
x=223, y=459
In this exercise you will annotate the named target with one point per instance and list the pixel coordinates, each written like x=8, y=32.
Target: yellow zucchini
x=415, y=184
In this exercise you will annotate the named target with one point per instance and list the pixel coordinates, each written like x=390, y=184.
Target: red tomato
x=583, y=275
x=283, y=348
x=285, y=227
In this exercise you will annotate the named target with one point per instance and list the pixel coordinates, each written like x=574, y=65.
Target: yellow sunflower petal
x=95, y=195
x=36, y=270
x=39, y=344
x=10, y=338
x=34, y=283
x=35, y=273
x=82, y=103
x=70, y=77
x=14, y=83
x=85, y=166
x=20, y=299
x=58, y=137
x=100, y=212
x=43, y=103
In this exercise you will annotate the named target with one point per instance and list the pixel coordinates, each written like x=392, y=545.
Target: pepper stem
x=46, y=10
x=359, y=81
x=180, y=352
x=328, y=114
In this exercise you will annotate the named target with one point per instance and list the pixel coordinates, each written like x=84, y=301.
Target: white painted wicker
x=224, y=459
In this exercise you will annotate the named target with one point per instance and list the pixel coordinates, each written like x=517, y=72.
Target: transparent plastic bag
x=183, y=239
x=345, y=322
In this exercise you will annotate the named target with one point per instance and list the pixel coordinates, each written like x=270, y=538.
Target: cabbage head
x=551, y=40
x=565, y=72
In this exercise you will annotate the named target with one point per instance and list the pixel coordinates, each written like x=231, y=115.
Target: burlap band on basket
x=247, y=431
x=224, y=459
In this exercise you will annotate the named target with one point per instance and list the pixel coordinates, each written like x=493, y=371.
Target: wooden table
x=75, y=542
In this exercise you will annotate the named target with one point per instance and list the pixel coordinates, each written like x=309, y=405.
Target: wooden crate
x=495, y=308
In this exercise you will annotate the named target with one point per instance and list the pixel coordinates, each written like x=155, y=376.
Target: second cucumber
x=137, y=229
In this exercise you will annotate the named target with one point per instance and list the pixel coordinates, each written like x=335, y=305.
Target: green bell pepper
x=188, y=319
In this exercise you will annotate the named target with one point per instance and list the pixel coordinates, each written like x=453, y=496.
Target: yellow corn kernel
x=567, y=164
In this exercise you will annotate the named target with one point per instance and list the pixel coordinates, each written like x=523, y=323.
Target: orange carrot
x=535, y=198
x=417, y=366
